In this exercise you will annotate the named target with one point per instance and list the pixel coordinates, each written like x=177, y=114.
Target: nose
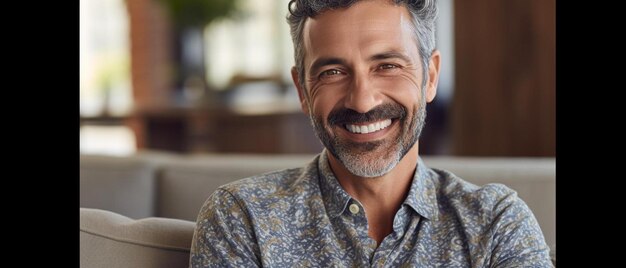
x=362, y=95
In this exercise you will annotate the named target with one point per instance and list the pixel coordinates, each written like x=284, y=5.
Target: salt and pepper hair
x=423, y=13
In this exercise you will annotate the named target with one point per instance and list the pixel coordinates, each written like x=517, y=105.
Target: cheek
x=403, y=90
x=325, y=101
x=321, y=108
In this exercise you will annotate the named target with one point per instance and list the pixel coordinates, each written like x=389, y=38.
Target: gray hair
x=423, y=13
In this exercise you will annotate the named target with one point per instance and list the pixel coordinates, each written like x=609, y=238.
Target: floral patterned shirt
x=303, y=218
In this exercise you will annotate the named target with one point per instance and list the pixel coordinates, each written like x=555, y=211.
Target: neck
x=382, y=196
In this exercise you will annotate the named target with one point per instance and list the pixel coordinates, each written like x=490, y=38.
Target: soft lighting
x=108, y=140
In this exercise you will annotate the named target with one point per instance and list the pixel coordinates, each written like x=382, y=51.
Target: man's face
x=363, y=80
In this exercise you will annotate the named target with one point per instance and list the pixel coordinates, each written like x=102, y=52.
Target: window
x=105, y=86
x=255, y=44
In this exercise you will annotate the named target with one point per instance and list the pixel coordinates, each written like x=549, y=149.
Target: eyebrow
x=324, y=61
x=390, y=55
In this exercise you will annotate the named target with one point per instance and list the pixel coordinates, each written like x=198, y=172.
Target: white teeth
x=364, y=129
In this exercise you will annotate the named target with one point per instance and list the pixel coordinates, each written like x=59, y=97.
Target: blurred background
x=212, y=76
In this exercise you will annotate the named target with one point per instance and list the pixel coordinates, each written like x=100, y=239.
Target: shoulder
x=480, y=208
x=493, y=216
x=460, y=192
x=278, y=184
x=249, y=198
x=277, y=190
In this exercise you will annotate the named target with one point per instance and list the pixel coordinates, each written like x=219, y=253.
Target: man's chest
x=339, y=243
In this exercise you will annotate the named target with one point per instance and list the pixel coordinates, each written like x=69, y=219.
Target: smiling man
x=364, y=72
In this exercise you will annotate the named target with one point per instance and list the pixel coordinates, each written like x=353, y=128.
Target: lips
x=368, y=127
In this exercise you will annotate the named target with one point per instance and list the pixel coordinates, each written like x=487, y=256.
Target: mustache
x=341, y=116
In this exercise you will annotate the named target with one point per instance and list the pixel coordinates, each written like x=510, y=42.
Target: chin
x=370, y=163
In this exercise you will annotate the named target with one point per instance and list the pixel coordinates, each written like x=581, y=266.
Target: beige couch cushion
x=124, y=185
x=184, y=184
x=108, y=239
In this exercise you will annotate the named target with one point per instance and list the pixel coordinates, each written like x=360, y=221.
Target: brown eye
x=387, y=66
x=330, y=72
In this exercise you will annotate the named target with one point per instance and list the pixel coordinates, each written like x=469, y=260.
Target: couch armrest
x=108, y=239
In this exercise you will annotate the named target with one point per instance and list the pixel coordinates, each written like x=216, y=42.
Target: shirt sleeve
x=517, y=237
x=223, y=236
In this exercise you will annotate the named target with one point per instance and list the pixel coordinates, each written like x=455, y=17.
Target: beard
x=375, y=158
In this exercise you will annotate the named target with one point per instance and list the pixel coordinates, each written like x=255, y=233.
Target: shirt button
x=354, y=208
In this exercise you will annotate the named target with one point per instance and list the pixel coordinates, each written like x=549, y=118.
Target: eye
x=387, y=66
x=330, y=72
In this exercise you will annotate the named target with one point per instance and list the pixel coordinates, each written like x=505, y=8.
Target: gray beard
x=377, y=158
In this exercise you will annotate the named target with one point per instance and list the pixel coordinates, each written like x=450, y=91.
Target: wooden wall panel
x=504, y=98
x=150, y=58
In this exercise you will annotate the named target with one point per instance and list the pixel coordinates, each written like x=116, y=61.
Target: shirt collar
x=422, y=196
x=335, y=198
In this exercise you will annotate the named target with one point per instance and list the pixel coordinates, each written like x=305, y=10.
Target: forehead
x=365, y=25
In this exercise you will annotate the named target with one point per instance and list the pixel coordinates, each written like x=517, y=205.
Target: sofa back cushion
x=184, y=184
x=108, y=239
x=123, y=185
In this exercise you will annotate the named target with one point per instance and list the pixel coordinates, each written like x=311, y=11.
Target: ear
x=433, y=76
x=301, y=92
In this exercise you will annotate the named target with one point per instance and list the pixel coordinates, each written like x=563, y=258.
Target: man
x=364, y=72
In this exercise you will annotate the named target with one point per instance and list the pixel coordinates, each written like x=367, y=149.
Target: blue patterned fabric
x=303, y=218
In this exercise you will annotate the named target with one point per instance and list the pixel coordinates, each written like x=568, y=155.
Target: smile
x=369, y=128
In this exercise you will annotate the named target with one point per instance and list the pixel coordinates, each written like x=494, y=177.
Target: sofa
x=140, y=210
